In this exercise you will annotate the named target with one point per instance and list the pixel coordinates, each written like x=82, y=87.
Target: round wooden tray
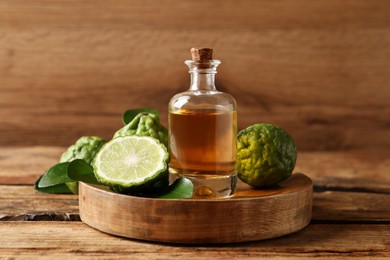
x=249, y=215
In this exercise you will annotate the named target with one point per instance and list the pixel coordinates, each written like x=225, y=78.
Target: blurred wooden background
x=320, y=69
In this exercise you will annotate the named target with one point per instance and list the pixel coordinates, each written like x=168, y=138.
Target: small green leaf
x=182, y=188
x=54, y=176
x=129, y=115
x=79, y=170
x=153, y=191
x=59, y=188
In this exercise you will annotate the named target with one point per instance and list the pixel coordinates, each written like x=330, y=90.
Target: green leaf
x=79, y=170
x=129, y=115
x=59, y=188
x=73, y=186
x=54, y=176
x=182, y=188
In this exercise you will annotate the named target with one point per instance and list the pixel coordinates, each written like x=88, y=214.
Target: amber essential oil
x=203, y=142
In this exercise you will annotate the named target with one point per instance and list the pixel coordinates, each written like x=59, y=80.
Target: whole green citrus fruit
x=266, y=155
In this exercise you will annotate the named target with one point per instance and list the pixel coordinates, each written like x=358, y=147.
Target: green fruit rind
x=266, y=155
x=142, y=188
x=85, y=148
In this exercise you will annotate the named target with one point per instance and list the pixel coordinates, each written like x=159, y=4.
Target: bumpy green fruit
x=145, y=124
x=266, y=155
x=85, y=148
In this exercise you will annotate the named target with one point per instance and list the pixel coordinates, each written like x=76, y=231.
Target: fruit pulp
x=203, y=143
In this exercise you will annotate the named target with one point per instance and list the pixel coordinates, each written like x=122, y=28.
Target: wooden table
x=351, y=214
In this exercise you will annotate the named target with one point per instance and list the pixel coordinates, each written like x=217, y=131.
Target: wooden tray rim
x=105, y=189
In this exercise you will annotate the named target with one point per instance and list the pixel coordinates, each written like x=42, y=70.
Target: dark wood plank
x=344, y=207
x=70, y=239
x=25, y=203
x=363, y=170
x=318, y=69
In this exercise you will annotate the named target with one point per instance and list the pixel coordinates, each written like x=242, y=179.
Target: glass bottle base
x=209, y=186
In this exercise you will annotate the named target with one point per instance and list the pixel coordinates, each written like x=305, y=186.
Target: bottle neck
x=202, y=81
x=203, y=75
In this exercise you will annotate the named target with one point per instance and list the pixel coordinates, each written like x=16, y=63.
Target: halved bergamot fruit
x=131, y=164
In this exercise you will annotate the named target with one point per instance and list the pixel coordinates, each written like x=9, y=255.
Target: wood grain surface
x=319, y=69
x=24, y=203
x=75, y=239
x=348, y=186
x=348, y=219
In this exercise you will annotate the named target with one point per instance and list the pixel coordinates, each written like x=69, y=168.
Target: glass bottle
x=203, y=131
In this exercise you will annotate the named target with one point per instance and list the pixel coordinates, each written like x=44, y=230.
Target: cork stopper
x=201, y=55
